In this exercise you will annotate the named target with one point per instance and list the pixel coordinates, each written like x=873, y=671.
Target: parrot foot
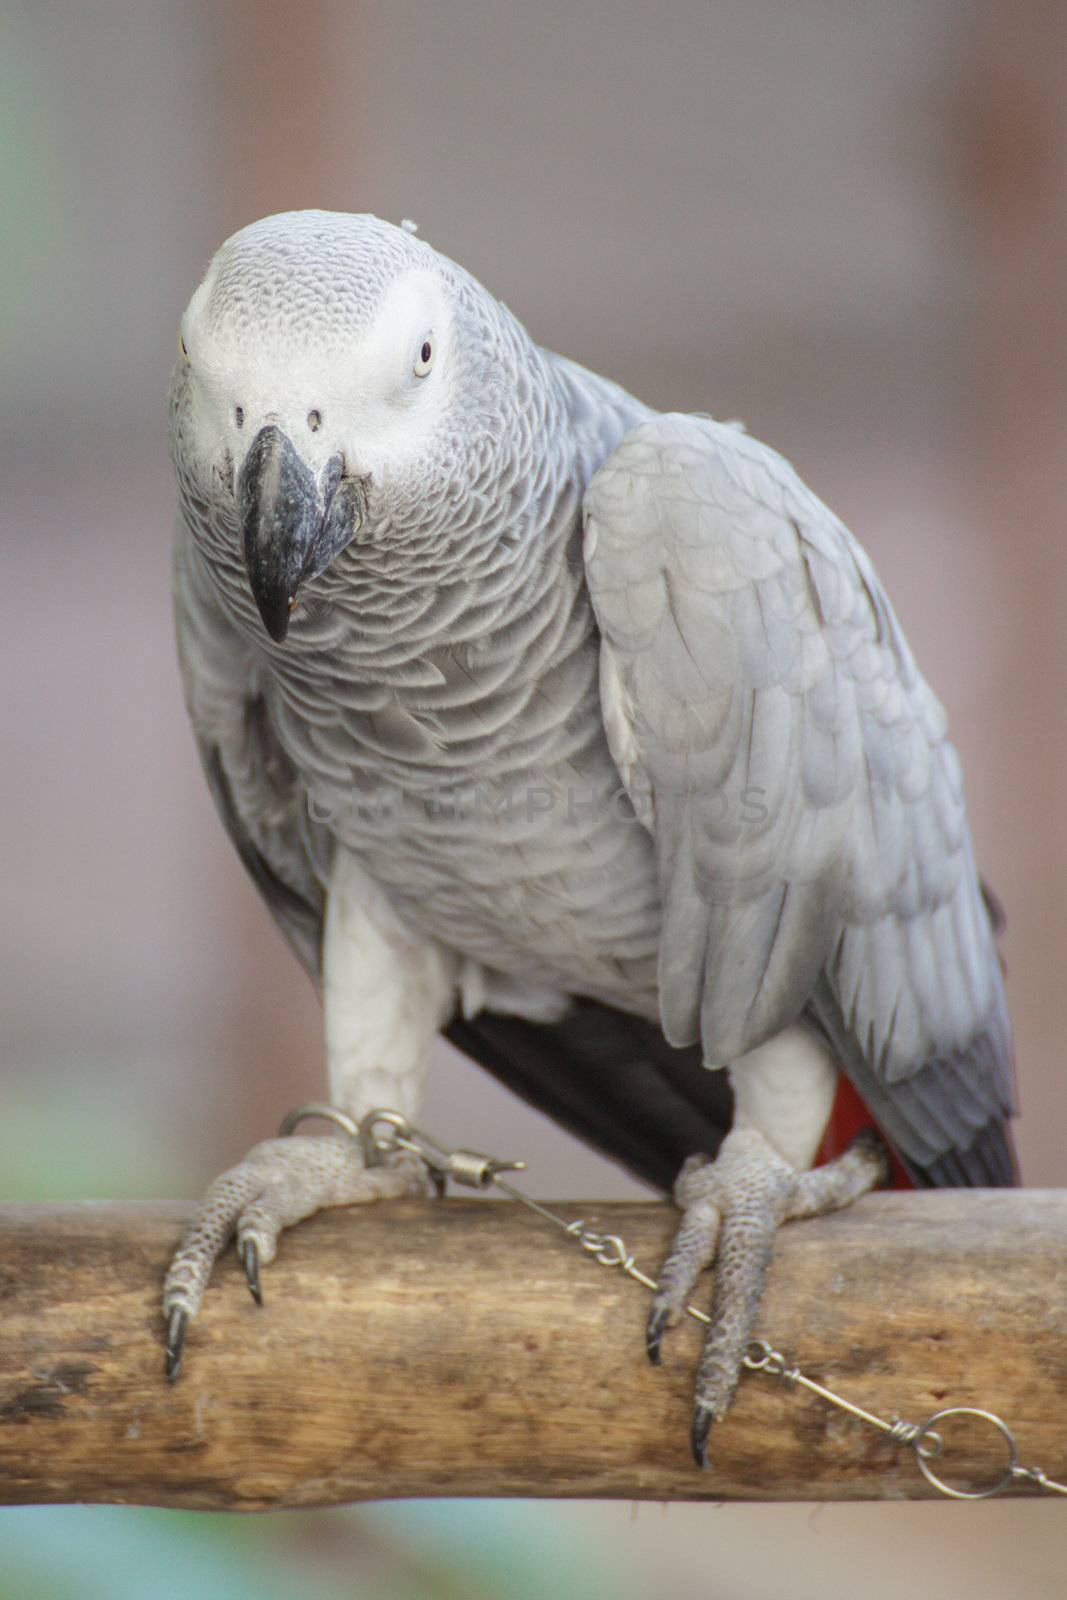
x=279, y=1183
x=732, y=1207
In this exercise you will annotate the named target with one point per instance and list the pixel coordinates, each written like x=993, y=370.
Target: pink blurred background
x=844, y=222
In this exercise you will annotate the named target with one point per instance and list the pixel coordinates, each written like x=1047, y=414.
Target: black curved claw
x=250, y=1262
x=703, y=1417
x=657, y=1322
x=177, y=1328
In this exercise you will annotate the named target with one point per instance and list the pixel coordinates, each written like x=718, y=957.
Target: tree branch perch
x=465, y=1348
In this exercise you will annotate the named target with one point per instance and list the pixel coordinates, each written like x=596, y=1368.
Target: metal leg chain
x=381, y=1132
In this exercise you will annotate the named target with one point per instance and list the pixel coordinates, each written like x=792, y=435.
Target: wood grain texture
x=466, y=1348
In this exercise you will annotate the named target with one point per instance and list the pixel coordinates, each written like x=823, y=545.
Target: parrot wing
x=776, y=738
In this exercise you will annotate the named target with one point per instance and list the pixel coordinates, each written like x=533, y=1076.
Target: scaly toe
x=693, y=1250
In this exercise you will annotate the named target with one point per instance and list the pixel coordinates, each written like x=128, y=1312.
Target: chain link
x=382, y=1132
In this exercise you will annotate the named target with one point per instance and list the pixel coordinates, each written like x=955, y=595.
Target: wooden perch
x=467, y=1348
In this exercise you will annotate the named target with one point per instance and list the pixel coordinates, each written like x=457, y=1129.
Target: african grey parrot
x=581, y=733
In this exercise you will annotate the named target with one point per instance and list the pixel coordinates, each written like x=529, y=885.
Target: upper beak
x=291, y=525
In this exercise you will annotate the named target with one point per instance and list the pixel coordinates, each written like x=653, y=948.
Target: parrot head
x=340, y=385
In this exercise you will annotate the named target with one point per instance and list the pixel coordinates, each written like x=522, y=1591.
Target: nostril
x=239, y=416
x=314, y=420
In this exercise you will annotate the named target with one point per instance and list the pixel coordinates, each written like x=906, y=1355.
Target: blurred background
x=842, y=221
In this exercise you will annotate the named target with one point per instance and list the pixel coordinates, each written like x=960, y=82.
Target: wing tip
x=990, y=1161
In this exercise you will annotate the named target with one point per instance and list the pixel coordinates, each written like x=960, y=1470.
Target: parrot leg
x=386, y=994
x=279, y=1183
x=732, y=1207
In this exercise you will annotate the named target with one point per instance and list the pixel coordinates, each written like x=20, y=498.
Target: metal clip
x=383, y=1131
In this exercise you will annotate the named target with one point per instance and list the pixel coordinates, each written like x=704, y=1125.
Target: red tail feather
x=848, y=1118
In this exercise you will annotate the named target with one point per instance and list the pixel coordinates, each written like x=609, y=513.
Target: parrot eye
x=425, y=360
x=182, y=351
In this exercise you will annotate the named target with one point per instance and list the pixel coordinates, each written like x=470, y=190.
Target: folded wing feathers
x=767, y=713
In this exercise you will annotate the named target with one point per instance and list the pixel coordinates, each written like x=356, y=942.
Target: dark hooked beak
x=291, y=526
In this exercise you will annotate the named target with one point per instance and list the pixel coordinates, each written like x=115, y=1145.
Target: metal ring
x=612, y=1251
x=318, y=1108
x=372, y=1150
x=757, y=1354
x=1007, y=1477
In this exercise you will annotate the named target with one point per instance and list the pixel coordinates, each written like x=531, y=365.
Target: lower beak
x=291, y=525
